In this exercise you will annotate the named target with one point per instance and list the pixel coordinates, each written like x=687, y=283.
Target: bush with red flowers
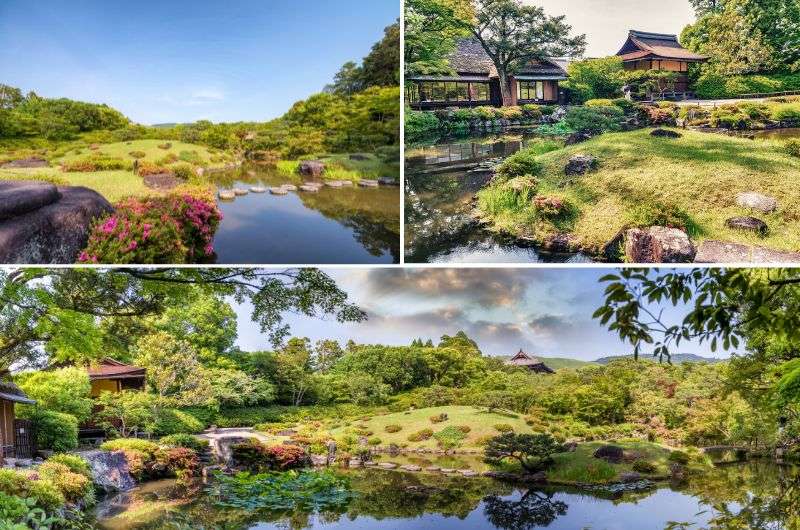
x=174, y=228
x=254, y=455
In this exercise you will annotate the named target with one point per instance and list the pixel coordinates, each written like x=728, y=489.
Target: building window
x=530, y=90
x=447, y=92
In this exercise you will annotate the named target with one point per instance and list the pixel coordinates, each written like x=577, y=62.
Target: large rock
x=312, y=168
x=580, y=164
x=658, y=244
x=746, y=223
x=18, y=198
x=757, y=201
x=55, y=232
x=578, y=137
x=711, y=251
x=109, y=470
x=610, y=453
x=32, y=162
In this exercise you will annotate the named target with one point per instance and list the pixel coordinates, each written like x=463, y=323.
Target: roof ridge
x=634, y=32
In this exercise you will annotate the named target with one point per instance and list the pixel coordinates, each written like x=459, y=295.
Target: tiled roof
x=110, y=369
x=470, y=58
x=11, y=392
x=641, y=44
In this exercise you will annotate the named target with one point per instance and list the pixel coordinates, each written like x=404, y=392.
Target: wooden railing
x=769, y=94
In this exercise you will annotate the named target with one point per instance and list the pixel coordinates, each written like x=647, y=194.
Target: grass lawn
x=557, y=363
x=197, y=154
x=113, y=185
x=480, y=422
x=697, y=176
x=582, y=466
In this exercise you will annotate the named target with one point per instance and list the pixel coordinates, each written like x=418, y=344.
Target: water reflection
x=779, y=134
x=440, y=185
x=346, y=225
x=759, y=495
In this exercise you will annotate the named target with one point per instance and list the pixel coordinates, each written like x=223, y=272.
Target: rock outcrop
x=757, y=201
x=580, y=164
x=43, y=224
x=748, y=224
x=109, y=470
x=658, y=244
x=311, y=168
x=711, y=251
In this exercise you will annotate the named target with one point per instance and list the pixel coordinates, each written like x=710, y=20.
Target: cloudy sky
x=544, y=311
x=183, y=60
x=606, y=22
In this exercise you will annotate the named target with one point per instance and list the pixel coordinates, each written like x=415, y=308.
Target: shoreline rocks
x=658, y=244
x=311, y=168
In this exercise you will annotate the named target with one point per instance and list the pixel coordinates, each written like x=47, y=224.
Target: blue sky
x=183, y=60
x=544, y=311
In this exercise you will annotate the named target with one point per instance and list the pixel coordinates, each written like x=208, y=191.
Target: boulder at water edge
x=41, y=223
x=610, y=453
x=109, y=470
x=658, y=244
x=311, y=168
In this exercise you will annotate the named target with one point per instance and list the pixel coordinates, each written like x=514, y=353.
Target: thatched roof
x=470, y=58
x=9, y=391
x=532, y=362
x=644, y=45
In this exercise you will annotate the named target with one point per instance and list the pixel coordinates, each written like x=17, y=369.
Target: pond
x=349, y=225
x=779, y=134
x=441, y=179
x=758, y=494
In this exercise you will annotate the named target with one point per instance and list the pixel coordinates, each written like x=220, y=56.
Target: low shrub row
x=97, y=163
x=256, y=456
x=149, y=460
x=714, y=86
x=176, y=228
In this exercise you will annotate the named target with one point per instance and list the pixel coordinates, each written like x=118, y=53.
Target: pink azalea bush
x=174, y=228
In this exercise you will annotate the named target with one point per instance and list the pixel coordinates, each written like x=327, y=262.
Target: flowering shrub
x=177, y=228
x=73, y=486
x=144, y=168
x=549, y=206
x=181, y=462
x=252, y=454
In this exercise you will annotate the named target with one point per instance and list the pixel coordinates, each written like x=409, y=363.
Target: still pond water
x=344, y=225
x=441, y=179
x=758, y=495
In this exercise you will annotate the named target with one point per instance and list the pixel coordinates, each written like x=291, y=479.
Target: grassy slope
x=700, y=173
x=113, y=185
x=558, y=363
x=581, y=466
x=481, y=424
x=341, y=167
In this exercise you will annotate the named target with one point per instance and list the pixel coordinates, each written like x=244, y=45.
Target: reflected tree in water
x=534, y=509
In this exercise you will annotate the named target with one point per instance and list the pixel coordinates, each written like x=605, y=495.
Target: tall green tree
x=431, y=34
x=381, y=68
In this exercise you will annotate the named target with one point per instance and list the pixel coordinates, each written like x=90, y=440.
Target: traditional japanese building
x=531, y=362
x=659, y=51
x=109, y=375
x=16, y=439
x=476, y=82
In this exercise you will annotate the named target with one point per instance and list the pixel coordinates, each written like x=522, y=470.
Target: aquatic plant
x=292, y=490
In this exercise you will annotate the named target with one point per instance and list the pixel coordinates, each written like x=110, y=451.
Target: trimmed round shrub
x=438, y=418
x=503, y=427
x=450, y=437
x=420, y=436
x=74, y=463
x=374, y=441
x=174, y=421
x=392, y=428
x=594, y=120
x=184, y=440
x=55, y=431
x=599, y=103
x=464, y=428
x=643, y=466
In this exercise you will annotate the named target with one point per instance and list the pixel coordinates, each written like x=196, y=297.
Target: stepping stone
x=447, y=470
x=354, y=463
x=388, y=181
x=757, y=201
x=306, y=187
x=240, y=191
x=750, y=224
x=468, y=472
x=278, y=191
x=387, y=465
x=289, y=187
x=433, y=469
x=258, y=189
x=411, y=467
x=369, y=464
x=368, y=183
x=347, y=183
x=227, y=195
x=334, y=183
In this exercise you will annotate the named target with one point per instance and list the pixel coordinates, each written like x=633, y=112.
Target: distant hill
x=557, y=363
x=676, y=358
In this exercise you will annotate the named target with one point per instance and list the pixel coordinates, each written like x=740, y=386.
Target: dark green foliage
x=594, y=120
x=450, y=437
x=184, y=440
x=531, y=451
x=713, y=86
x=520, y=164
x=55, y=431
x=643, y=466
x=793, y=147
x=678, y=457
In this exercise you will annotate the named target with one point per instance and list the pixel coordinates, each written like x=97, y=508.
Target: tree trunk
x=505, y=87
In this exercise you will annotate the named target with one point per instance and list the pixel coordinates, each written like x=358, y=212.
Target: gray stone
x=580, y=164
x=354, y=462
x=240, y=191
x=313, y=168
x=631, y=476
x=448, y=470
x=18, y=198
x=609, y=453
x=712, y=251
x=410, y=467
x=433, y=469
x=333, y=183
x=289, y=187
x=109, y=470
x=747, y=223
x=32, y=162
x=258, y=189
x=665, y=133
x=278, y=191
x=54, y=233
x=388, y=181
x=468, y=473
x=387, y=465
x=307, y=187
x=658, y=244
x=577, y=138
x=368, y=183
x=757, y=201
x=226, y=195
